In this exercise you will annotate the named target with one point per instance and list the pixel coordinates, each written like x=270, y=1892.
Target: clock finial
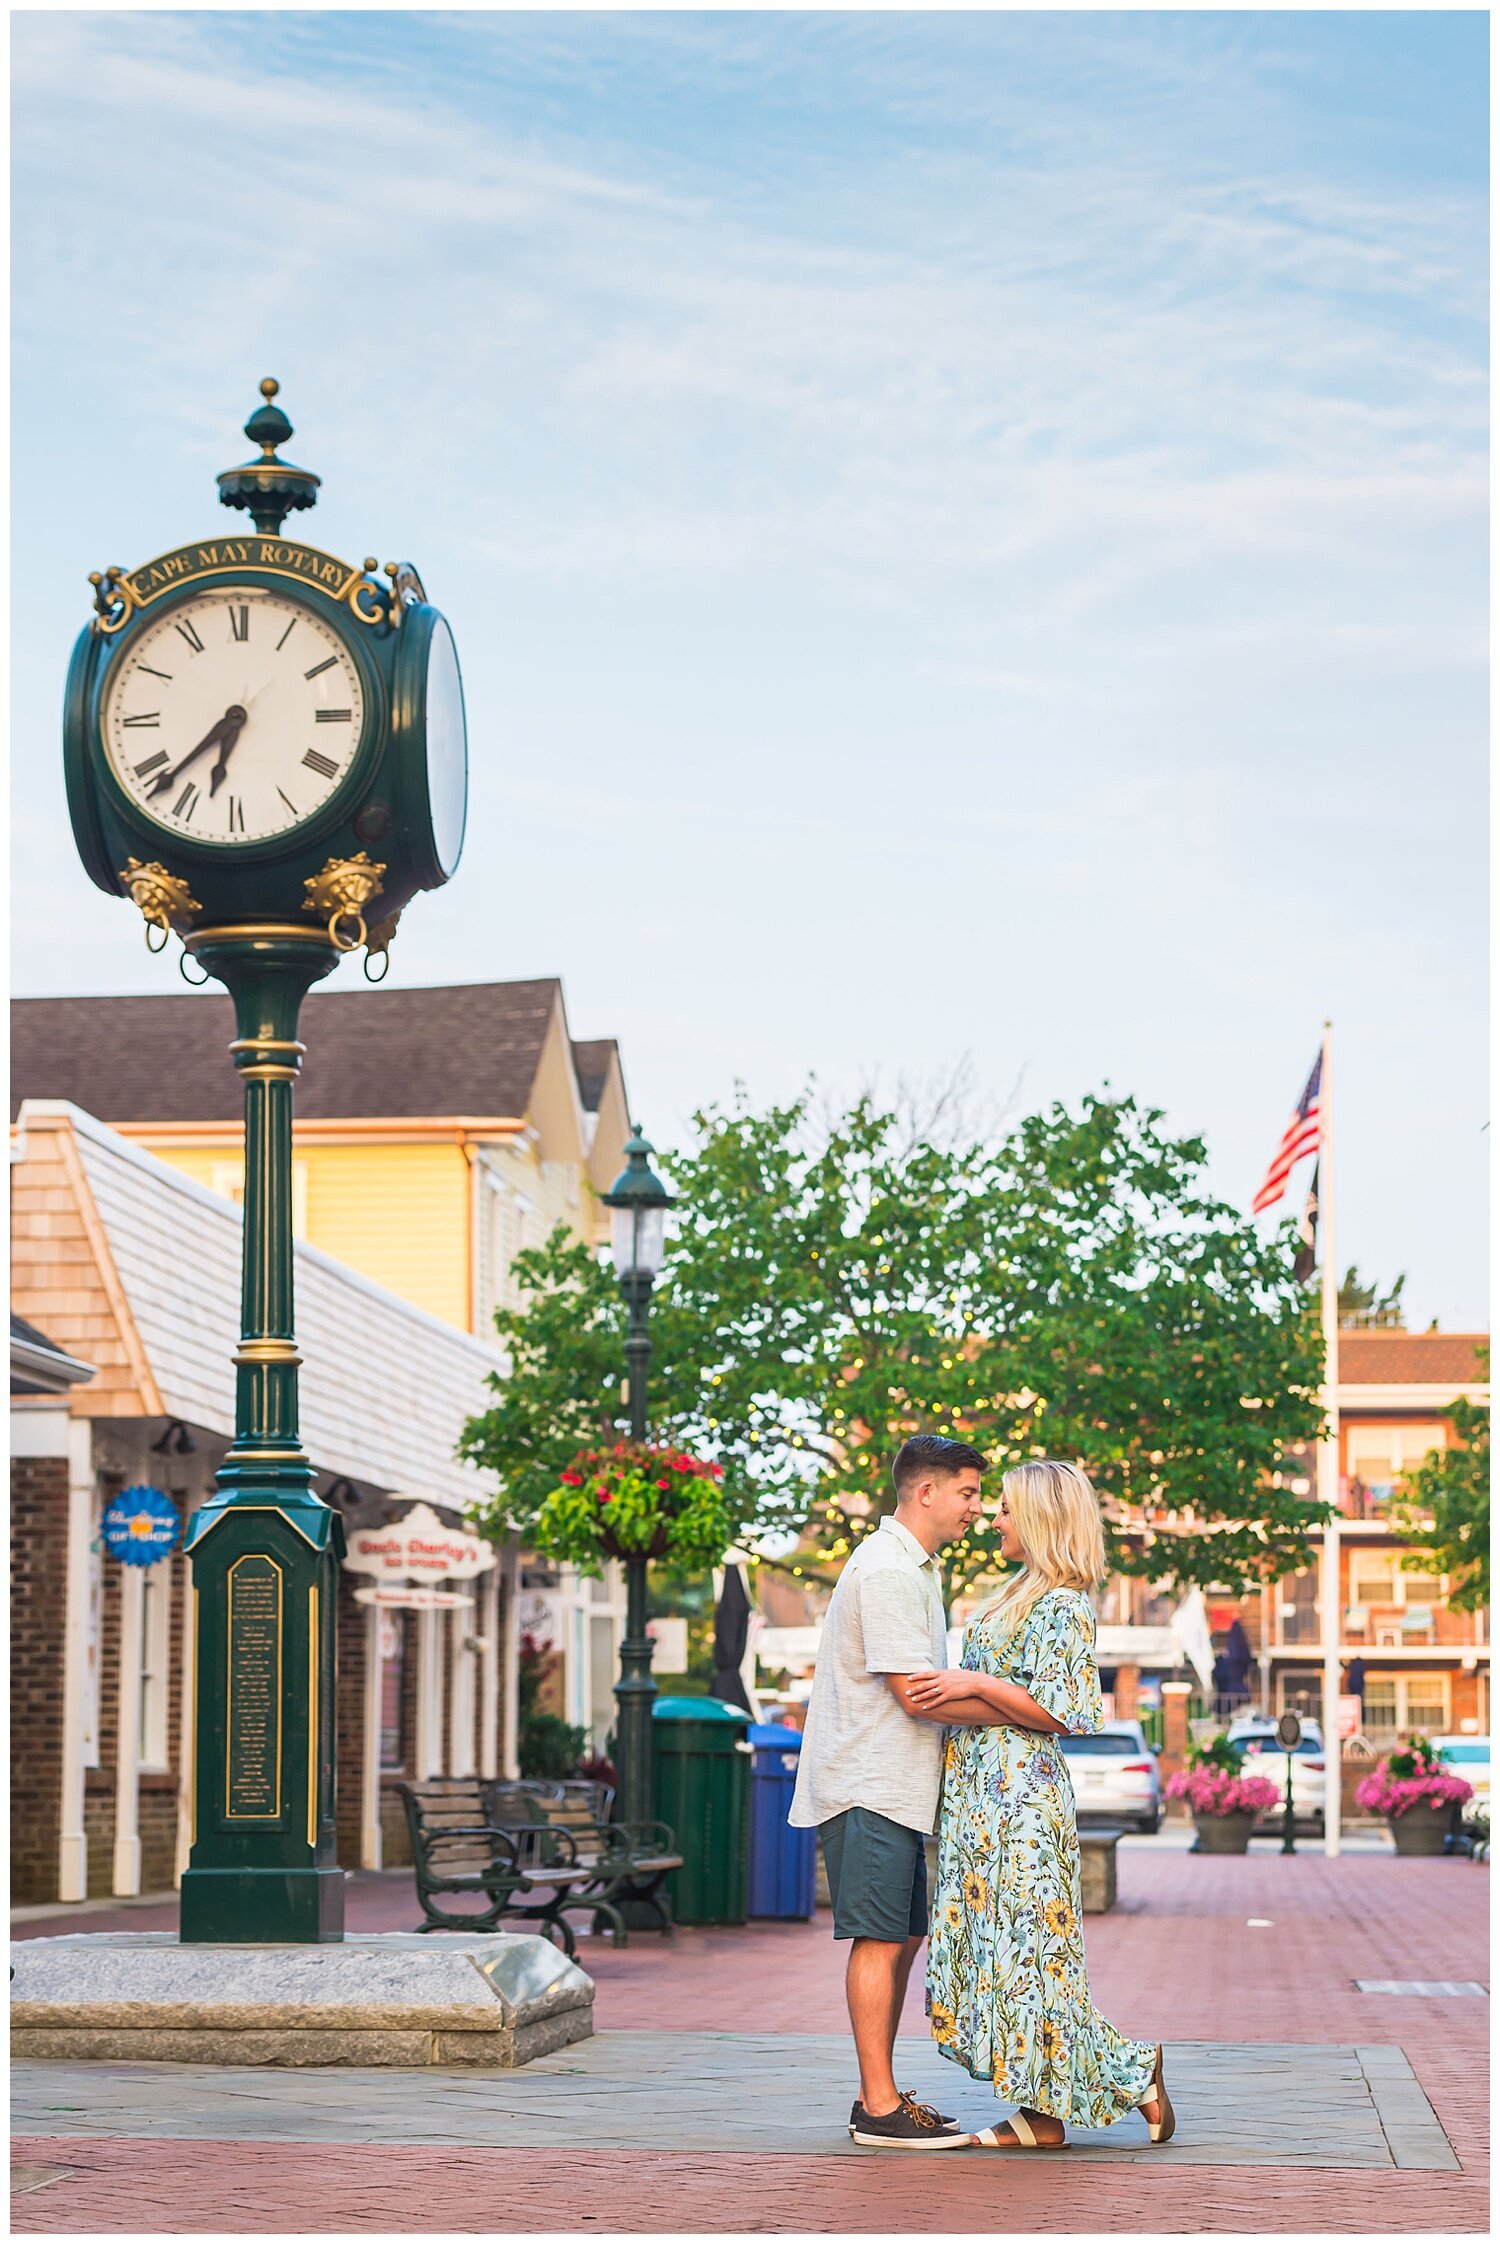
x=269, y=488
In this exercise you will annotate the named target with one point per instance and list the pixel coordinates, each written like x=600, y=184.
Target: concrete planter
x=1224, y=1834
x=1422, y=1829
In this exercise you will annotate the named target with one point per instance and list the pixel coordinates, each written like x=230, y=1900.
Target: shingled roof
x=465, y=1049
x=1418, y=1359
x=591, y=1066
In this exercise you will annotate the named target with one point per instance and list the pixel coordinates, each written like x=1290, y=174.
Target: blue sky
x=966, y=533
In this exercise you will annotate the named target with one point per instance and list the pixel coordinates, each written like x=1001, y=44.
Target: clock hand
x=233, y=724
x=165, y=779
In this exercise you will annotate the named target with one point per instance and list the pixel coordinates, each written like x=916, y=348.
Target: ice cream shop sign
x=416, y=1560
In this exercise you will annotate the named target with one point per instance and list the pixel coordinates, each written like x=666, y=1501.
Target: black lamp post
x=638, y=1201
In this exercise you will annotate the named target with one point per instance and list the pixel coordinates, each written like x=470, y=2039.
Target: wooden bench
x=630, y=1862
x=526, y=1874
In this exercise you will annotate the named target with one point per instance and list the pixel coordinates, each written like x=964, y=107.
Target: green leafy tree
x=1450, y=1489
x=566, y=1348
x=838, y=1282
x=1362, y=1306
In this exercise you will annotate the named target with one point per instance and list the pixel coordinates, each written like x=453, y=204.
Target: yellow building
x=438, y=1132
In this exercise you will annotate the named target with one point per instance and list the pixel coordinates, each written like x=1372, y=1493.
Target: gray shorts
x=877, y=1877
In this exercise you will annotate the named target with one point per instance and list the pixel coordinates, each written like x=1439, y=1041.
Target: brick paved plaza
x=714, y=2095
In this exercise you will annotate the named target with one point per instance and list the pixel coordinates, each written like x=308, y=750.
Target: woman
x=1007, y=1991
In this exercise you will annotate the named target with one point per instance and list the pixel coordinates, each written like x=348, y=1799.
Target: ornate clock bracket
x=163, y=901
x=340, y=893
x=114, y=599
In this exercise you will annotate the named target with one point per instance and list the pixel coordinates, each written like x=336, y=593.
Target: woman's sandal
x=1164, y=2126
x=989, y=2138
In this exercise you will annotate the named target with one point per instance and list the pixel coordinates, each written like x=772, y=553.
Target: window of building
x=1403, y=1706
x=392, y=1677
x=1301, y=1692
x=156, y=1663
x=1379, y=1456
x=1390, y=1607
x=1297, y=1607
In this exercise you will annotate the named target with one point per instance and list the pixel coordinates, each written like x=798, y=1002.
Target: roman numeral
x=291, y=627
x=191, y=636
x=325, y=766
x=236, y=815
x=291, y=806
x=148, y=717
x=186, y=803
x=334, y=716
x=239, y=622
x=144, y=771
x=150, y=673
x=318, y=668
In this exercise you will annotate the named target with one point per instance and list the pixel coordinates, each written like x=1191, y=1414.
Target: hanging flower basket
x=635, y=1500
x=1417, y=1795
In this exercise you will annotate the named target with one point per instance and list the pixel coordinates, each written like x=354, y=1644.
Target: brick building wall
x=395, y=1838
x=39, y=1565
x=99, y=1793
x=156, y=1820
x=353, y=1624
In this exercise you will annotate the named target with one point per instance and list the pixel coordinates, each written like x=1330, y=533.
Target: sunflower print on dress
x=1007, y=1987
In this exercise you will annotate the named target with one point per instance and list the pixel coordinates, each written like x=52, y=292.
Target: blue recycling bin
x=783, y=1862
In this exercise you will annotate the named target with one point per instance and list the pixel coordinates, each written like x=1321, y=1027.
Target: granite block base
x=494, y=2000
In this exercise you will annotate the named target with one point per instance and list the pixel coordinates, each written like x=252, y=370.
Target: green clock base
x=261, y=1908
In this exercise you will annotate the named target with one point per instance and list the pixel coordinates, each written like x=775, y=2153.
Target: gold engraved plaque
x=252, y=1780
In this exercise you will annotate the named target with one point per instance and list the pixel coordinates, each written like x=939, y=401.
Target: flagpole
x=1330, y=1603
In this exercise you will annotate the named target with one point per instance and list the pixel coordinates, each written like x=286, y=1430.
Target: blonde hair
x=1056, y=1516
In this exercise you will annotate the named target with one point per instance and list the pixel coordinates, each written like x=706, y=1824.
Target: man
x=871, y=1767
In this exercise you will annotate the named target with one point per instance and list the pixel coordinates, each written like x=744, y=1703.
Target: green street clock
x=256, y=730
x=265, y=751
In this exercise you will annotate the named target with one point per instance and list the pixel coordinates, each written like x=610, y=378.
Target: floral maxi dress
x=1007, y=1990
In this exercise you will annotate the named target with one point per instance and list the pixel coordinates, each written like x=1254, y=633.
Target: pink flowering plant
x=1212, y=1784
x=1414, y=1777
x=635, y=1500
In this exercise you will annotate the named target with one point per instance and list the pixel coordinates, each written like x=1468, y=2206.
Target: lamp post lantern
x=638, y=1202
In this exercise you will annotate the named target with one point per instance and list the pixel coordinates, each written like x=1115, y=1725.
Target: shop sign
x=669, y=1635
x=539, y=1615
x=418, y=1547
x=400, y=1597
x=141, y=1526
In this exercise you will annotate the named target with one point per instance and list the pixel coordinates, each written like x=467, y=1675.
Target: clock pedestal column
x=264, y=1549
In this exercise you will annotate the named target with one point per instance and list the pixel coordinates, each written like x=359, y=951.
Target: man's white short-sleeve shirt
x=859, y=1749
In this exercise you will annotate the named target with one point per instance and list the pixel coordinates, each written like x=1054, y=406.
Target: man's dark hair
x=933, y=1453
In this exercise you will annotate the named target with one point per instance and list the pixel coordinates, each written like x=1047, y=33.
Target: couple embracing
x=892, y=1730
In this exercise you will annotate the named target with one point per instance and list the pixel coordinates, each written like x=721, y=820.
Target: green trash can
x=703, y=1760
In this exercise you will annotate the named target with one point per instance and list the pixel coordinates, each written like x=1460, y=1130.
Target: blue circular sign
x=140, y=1526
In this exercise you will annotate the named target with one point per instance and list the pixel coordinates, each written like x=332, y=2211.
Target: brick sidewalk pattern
x=1178, y=1959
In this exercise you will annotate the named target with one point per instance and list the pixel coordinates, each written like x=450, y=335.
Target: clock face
x=447, y=749
x=235, y=716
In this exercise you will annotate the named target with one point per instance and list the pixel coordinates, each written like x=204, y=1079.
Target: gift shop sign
x=419, y=1547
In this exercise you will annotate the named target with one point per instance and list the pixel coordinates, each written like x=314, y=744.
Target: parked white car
x=1469, y=1757
x=1114, y=1777
x=1262, y=1754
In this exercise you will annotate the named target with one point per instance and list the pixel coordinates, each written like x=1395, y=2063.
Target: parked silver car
x=1114, y=1777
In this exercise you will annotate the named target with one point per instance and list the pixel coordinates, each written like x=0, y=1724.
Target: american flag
x=1300, y=1136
